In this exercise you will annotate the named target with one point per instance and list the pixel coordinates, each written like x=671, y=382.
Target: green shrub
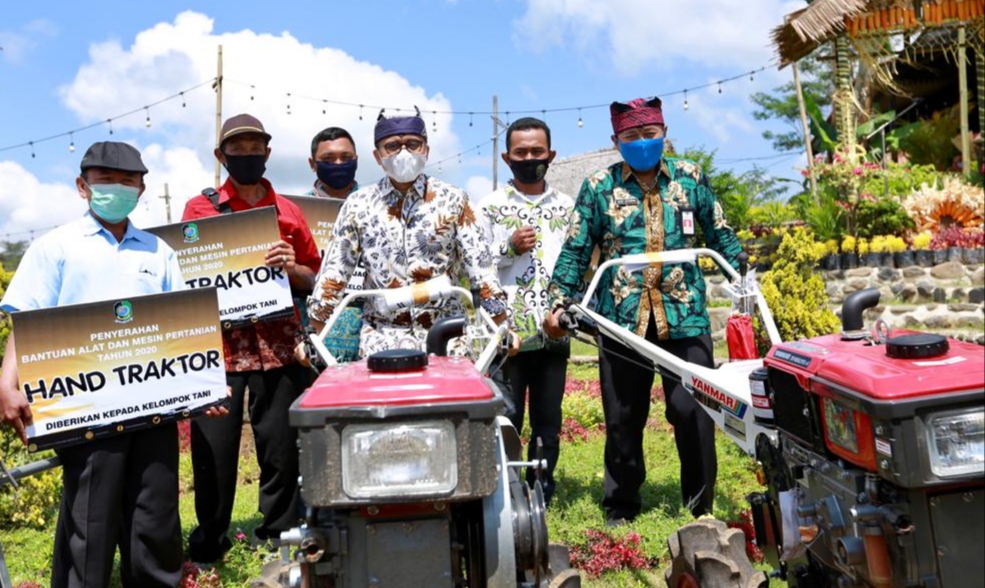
x=34, y=503
x=5, y=278
x=883, y=216
x=795, y=294
x=583, y=408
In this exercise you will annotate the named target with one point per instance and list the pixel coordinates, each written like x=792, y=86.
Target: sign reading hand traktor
x=92, y=370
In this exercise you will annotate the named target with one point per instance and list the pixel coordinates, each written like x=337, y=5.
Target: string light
x=685, y=100
x=470, y=119
x=32, y=150
x=360, y=112
x=288, y=103
x=147, y=121
x=107, y=121
x=183, y=103
x=434, y=121
x=252, y=90
x=323, y=110
x=581, y=123
x=719, y=87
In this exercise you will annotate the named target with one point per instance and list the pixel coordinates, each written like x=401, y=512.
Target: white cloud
x=27, y=203
x=169, y=57
x=633, y=34
x=17, y=44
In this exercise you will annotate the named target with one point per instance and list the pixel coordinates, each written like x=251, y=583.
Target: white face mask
x=404, y=166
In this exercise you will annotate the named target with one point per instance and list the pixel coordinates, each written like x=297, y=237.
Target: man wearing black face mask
x=259, y=356
x=525, y=223
x=334, y=161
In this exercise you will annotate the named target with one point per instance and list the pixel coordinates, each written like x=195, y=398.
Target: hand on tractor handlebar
x=552, y=324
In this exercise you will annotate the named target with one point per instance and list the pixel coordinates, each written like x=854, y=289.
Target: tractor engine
x=876, y=477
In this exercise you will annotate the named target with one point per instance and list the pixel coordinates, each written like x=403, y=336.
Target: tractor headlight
x=413, y=459
x=957, y=443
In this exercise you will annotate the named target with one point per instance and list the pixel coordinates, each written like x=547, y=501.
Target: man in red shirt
x=259, y=356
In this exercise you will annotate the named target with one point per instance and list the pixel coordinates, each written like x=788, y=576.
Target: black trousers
x=122, y=491
x=626, y=402
x=215, y=459
x=542, y=372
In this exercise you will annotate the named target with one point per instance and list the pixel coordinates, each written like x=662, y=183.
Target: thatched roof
x=807, y=28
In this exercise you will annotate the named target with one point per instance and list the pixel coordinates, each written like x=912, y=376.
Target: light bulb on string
x=183, y=104
x=581, y=123
x=685, y=100
x=31, y=143
x=147, y=120
x=71, y=142
x=252, y=89
x=109, y=121
x=470, y=119
x=434, y=121
x=360, y=112
x=719, y=87
x=288, y=103
x=507, y=117
x=751, y=74
x=323, y=103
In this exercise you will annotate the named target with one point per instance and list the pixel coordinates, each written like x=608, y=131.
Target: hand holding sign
x=281, y=254
x=14, y=410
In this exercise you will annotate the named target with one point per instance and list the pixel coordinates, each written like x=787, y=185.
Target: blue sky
x=67, y=65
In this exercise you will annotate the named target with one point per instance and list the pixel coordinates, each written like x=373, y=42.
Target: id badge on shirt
x=687, y=221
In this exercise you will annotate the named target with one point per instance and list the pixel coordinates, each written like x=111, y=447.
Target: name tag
x=687, y=221
x=620, y=202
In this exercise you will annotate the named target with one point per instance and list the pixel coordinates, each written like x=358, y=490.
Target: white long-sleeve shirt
x=525, y=277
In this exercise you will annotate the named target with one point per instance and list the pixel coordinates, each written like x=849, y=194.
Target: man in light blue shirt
x=122, y=490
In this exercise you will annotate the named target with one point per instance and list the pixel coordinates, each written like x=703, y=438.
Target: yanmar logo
x=718, y=397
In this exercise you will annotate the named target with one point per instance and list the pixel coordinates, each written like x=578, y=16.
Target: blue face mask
x=336, y=175
x=113, y=202
x=642, y=154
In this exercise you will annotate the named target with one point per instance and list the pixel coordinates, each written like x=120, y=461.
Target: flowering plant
x=843, y=178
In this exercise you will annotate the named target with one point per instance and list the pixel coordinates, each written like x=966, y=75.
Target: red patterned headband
x=636, y=113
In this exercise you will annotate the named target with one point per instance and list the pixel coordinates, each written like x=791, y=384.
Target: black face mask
x=246, y=169
x=529, y=171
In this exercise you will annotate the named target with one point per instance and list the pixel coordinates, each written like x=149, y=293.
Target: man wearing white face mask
x=120, y=490
x=407, y=228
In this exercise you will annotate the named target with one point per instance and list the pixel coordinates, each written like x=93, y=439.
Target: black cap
x=240, y=125
x=113, y=155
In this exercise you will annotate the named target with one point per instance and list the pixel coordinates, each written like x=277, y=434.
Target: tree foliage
x=781, y=103
x=5, y=278
x=11, y=253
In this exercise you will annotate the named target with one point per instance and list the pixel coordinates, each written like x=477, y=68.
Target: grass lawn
x=575, y=511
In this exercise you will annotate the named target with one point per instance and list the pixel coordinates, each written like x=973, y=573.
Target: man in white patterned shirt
x=405, y=229
x=526, y=222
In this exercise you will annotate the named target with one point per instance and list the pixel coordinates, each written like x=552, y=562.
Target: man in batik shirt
x=405, y=229
x=647, y=203
x=526, y=221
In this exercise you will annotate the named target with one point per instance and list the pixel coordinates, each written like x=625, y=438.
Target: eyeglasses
x=631, y=135
x=412, y=145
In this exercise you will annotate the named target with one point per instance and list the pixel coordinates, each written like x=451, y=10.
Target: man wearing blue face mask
x=648, y=202
x=334, y=161
x=120, y=490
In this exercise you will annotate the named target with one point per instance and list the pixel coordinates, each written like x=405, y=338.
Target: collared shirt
x=402, y=240
x=319, y=191
x=525, y=277
x=266, y=344
x=82, y=262
x=615, y=213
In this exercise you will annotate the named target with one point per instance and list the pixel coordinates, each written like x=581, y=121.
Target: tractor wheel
x=708, y=554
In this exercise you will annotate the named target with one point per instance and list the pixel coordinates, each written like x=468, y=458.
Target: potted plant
x=849, y=257
x=832, y=258
x=866, y=256
x=922, y=254
x=973, y=243
x=880, y=245
x=902, y=256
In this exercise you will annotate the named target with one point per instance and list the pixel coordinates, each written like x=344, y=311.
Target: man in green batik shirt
x=646, y=203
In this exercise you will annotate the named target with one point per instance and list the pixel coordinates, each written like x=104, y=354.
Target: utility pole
x=218, y=116
x=963, y=100
x=167, y=201
x=495, y=140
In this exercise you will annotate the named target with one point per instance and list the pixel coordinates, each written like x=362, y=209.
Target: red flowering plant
x=606, y=553
x=842, y=177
